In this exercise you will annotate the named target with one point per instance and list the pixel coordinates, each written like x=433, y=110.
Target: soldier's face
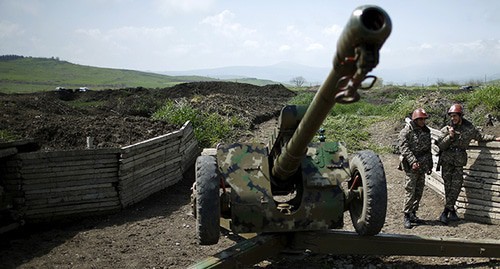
x=455, y=118
x=420, y=122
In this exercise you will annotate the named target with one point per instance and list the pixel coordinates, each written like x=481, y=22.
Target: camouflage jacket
x=453, y=150
x=415, y=146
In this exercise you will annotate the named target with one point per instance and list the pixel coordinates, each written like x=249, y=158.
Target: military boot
x=444, y=217
x=407, y=222
x=453, y=216
x=414, y=218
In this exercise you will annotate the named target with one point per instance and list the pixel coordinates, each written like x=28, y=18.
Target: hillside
x=20, y=74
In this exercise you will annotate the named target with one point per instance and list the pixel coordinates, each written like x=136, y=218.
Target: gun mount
x=293, y=184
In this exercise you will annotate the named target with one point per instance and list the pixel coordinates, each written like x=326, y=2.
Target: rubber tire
x=368, y=214
x=207, y=200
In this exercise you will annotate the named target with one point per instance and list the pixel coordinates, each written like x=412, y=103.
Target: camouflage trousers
x=414, y=188
x=453, y=178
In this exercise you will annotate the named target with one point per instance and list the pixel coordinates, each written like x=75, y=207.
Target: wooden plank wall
x=53, y=185
x=189, y=147
x=479, y=199
x=155, y=164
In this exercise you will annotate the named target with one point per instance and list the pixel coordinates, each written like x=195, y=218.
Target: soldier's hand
x=451, y=131
x=415, y=166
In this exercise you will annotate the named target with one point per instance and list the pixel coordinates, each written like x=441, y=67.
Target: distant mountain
x=282, y=72
x=415, y=74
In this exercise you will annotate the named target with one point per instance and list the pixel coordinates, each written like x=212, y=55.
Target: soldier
x=415, y=148
x=453, y=142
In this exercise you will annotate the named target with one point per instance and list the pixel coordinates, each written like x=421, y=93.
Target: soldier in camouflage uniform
x=415, y=147
x=453, y=142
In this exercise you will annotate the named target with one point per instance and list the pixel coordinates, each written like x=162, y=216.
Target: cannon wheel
x=207, y=201
x=368, y=213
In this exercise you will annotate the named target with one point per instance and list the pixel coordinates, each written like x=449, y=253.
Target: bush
x=209, y=128
x=480, y=102
x=5, y=135
x=302, y=99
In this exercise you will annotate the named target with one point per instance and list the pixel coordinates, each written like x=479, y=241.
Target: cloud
x=221, y=20
x=421, y=47
x=30, y=7
x=293, y=32
x=283, y=48
x=251, y=44
x=300, y=40
x=129, y=33
x=184, y=6
x=470, y=52
x=478, y=50
x=136, y=44
x=425, y=46
x=8, y=29
x=334, y=30
x=93, y=33
x=314, y=46
x=223, y=24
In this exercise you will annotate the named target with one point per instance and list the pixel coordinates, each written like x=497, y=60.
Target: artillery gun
x=293, y=192
x=293, y=184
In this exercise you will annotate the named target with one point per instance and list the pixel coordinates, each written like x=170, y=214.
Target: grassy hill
x=253, y=81
x=27, y=74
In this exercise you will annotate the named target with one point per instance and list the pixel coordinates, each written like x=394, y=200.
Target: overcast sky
x=442, y=39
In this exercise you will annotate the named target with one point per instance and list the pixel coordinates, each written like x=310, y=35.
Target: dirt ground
x=159, y=231
x=114, y=118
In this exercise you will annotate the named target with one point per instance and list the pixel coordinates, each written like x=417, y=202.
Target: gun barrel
x=356, y=55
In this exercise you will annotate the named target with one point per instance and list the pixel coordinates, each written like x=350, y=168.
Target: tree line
x=10, y=57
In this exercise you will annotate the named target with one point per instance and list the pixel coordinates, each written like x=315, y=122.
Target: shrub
x=209, y=128
x=5, y=135
x=480, y=102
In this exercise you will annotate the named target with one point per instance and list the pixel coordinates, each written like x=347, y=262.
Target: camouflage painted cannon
x=293, y=184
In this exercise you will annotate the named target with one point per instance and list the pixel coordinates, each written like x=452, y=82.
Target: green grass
x=27, y=74
x=350, y=122
x=209, y=128
x=349, y=128
x=46, y=74
x=253, y=81
x=480, y=102
x=6, y=135
x=400, y=104
x=489, y=97
x=302, y=98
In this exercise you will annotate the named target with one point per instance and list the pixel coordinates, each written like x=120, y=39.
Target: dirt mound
x=62, y=120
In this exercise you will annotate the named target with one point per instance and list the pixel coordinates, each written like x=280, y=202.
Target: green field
x=27, y=74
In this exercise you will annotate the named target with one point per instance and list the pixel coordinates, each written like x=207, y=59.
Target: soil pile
x=62, y=120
